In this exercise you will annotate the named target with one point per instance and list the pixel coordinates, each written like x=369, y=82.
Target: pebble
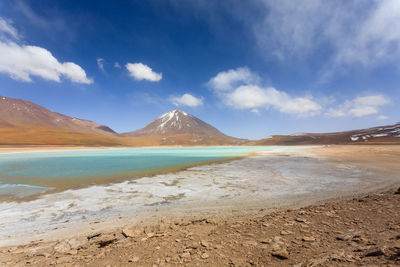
x=374, y=252
x=280, y=253
x=204, y=243
x=283, y=232
x=129, y=232
x=204, y=256
x=134, y=259
x=308, y=239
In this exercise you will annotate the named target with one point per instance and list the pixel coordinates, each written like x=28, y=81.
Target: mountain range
x=25, y=123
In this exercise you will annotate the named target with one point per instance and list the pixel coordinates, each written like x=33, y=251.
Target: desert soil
x=361, y=231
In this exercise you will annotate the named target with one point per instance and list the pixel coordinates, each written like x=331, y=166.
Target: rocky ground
x=364, y=231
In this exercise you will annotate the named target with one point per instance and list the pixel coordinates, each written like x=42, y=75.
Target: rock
x=280, y=253
x=204, y=243
x=77, y=243
x=185, y=255
x=283, y=232
x=71, y=252
x=358, y=239
x=93, y=236
x=308, y=239
x=251, y=243
x=149, y=235
x=127, y=232
x=62, y=247
x=204, y=256
x=398, y=191
x=134, y=259
x=107, y=242
x=301, y=220
x=344, y=237
x=374, y=252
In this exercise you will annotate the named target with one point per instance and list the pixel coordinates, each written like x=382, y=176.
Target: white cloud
x=238, y=89
x=117, y=65
x=21, y=62
x=255, y=111
x=372, y=100
x=359, y=107
x=139, y=72
x=7, y=29
x=225, y=80
x=382, y=117
x=187, y=100
x=100, y=64
x=253, y=97
x=292, y=29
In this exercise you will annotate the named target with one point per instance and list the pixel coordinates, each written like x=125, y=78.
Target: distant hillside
x=22, y=112
x=23, y=122
x=382, y=134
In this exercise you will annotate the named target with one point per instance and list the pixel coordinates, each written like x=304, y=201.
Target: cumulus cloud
x=226, y=80
x=253, y=97
x=21, y=62
x=100, y=64
x=239, y=89
x=359, y=106
x=117, y=65
x=187, y=100
x=140, y=71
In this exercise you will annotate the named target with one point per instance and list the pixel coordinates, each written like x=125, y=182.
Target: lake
x=29, y=173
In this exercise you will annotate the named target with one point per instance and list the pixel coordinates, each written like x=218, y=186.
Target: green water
x=24, y=171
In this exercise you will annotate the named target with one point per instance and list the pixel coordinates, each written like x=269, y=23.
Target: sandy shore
x=9, y=149
x=33, y=148
x=380, y=164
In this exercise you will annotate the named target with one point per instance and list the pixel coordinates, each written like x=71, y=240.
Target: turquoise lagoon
x=29, y=173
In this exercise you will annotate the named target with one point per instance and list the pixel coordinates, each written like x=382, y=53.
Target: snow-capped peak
x=179, y=122
x=175, y=115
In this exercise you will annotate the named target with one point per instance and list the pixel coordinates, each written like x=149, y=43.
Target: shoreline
x=43, y=148
x=109, y=179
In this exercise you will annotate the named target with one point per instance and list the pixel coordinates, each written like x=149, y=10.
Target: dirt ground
x=359, y=232
x=364, y=231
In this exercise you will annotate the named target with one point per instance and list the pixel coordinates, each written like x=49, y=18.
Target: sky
x=249, y=68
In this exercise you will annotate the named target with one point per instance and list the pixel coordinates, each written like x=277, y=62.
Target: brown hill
x=382, y=134
x=25, y=123
x=177, y=127
x=23, y=112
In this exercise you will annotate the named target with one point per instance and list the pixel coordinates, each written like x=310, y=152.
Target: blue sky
x=250, y=68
